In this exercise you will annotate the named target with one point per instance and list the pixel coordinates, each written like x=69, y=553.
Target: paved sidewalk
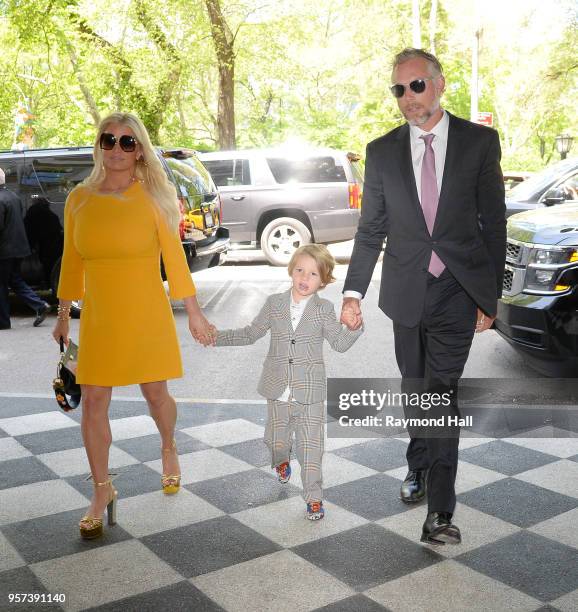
x=235, y=539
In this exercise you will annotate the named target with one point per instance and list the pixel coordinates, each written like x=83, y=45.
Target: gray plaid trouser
x=307, y=422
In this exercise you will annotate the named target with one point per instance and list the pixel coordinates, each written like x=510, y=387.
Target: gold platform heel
x=91, y=526
x=171, y=482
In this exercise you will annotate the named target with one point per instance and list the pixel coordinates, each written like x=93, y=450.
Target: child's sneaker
x=283, y=472
x=315, y=511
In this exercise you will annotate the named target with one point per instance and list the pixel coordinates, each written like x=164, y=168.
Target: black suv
x=538, y=313
x=42, y=178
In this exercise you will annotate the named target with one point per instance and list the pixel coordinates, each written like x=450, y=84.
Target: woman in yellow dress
x=117, y=224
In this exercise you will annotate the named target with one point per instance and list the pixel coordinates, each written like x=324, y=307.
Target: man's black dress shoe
x=413, y=487
x=438, y=529
x=41, y=314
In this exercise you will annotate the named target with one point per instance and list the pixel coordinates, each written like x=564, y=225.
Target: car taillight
x=354, y=195
x=182, y=220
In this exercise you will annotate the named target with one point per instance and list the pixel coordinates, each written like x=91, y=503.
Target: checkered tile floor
x=235, y=539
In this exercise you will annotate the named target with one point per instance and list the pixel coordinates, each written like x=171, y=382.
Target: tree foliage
x=250, y=73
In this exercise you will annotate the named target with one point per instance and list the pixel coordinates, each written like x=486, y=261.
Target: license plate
x=208, y=219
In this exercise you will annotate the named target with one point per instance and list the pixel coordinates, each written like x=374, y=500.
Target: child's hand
x=212, y=335
x=350, y=319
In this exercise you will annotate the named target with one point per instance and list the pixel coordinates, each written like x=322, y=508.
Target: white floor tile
x=560, y=476
x=33, y=423
x=132, y=427
x=282, y=581
x=439, y=591
x=284, y=522
x=74, y=461
x=12, y=449
x=38, y=499
x=108, y=573
x=203, y=465
x=153, y=512
x=226, y=432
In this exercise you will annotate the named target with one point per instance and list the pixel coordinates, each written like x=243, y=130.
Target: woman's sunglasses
x=417, y=86
x=127, y=143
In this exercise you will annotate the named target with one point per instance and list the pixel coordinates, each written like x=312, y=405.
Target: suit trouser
x=307, y=422
x=10, y=278
x=431, y=357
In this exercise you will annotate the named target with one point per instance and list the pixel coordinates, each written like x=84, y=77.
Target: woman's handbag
x=66, y=389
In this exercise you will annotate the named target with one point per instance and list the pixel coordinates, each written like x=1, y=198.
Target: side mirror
x=555, y=196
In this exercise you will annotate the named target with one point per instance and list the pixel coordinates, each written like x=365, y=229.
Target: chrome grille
x=513, y=252
x=508, y=277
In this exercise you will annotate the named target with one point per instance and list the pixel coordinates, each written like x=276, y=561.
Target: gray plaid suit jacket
x=295, y=357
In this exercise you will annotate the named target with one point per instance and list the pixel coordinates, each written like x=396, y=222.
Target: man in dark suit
x=433, y=188
x=13, y=248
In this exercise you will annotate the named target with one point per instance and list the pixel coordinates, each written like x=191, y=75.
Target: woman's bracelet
x=63, y=313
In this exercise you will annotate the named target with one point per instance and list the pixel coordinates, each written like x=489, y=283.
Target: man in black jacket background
x=13, y=248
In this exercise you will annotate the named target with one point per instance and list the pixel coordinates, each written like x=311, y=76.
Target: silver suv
x=280, y=199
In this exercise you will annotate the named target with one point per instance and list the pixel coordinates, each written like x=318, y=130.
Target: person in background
x=13, y=248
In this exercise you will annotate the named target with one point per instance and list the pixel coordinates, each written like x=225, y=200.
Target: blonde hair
x=323, y=258
x=149, y=169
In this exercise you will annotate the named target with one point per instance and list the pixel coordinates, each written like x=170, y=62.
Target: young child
x=293, y=378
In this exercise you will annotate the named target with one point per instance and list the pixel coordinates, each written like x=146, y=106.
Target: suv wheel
x=281, y=238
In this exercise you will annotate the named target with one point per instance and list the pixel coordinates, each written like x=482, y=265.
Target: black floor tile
x=505, y=458
x=254, y=452
x=57, y=535
x=365, y=557
x=381, y=455
x=242, y=491
x=148, y=448
x=52, y=441
x=217, y=543
x=130, y=480
x=23, y=406
x=374, y=497
x=517, y=502
x=357, y=603
x=26, y=470
x=22, y=580
x=182, y=596
x=512, y=560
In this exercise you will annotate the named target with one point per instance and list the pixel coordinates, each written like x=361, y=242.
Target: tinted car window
x=57, y=176
x=228, y=172
x=192, y=179
x=310, y=170
x=12, y=168
x=540, y=181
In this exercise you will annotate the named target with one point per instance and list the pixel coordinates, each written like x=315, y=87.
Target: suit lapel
x=405, y=163
x=454, y=146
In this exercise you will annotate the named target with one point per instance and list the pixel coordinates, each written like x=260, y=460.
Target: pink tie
x=429, y=198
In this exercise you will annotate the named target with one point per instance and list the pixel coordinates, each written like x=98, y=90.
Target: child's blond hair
x=323, y=258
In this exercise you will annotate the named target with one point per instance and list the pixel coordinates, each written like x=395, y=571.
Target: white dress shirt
x=417, y=144
x=296, y=310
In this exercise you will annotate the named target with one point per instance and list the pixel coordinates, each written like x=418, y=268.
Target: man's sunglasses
x=417, y=86
x=127, y=143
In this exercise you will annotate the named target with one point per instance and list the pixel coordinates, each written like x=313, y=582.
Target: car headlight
x=553, y=256
x=545, y=267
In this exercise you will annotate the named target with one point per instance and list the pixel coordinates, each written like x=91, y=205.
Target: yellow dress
x=111, y=260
